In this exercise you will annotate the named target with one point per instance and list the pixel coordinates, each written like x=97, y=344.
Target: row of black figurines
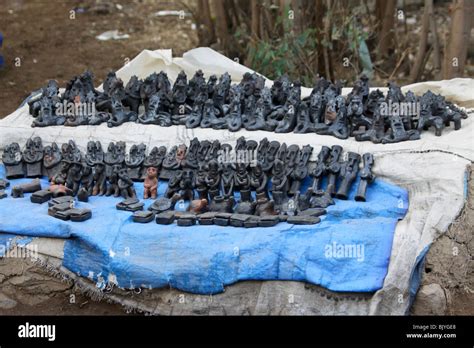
x=218, y=104
x=205, y=166
x=216, y=183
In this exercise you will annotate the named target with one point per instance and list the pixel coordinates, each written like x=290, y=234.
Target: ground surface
x=50, y=45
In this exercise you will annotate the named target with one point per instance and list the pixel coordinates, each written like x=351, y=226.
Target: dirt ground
x=51, y=45
x=46, y=43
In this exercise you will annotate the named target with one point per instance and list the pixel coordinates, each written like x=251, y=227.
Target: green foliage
x=288, y=51
x=285, y=55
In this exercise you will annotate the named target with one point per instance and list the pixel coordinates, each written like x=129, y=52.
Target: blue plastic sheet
x=348, y=251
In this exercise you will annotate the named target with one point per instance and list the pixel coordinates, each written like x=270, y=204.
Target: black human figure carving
x=87, y=183
x=194, y=118
x=12, y=158
x=155, y=157
x=227, y=180
x=270, y=155
x=174, y=184
x=213, y=179
x=257, y=119
x=186, y=184
x=51, y=160
x=355, y=113
x=33, y=157
x=397, y=132
x=316, y=108
x=279, y=185
x=115, y=156
x=209, y=116
x=290, y=110
x=46, y=113
x=339, y=127
x=113, y=89
x=366, y=177
x=248, y=115
x=94, y=154
x=333, y=168
x=212, y=152
x=132, y=94
x=135, y=160
x=119, y=114
x=234, y=118
x=430, y=105
x=148, y=88
x=320, y=169
x=201, y=186
x=303, y=120
x=377, y=130
x=124, y=182
x=50, y=92
x=94, y=159
x=74, y=175
x=100, y=180
x=300, y=170
x=348, y=172
x=258, y=179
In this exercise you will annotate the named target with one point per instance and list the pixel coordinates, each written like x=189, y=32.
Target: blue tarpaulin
x=348, y=251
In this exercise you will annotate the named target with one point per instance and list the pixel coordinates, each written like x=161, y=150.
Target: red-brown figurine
x=151, y=183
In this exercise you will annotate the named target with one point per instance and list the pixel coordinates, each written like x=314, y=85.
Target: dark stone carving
x=303, y=220
x=87, y=183
x=165, y=218
x=29, y=187
x=227, y=180
x=143, y=216
x=33, y=157
x=155, y=157
x=94, y=154
x=337, y=115
x=348, y=172
x=41, y=196
x=320, y=169
x=74, y=176
x=300, y=169
x=134, y=161
x=333, y=169
x=186, y=184
x=221, y=204
x=118, y=113
x=234, y=118
x=213, y=179
x=164, y=204
x=125, y=184
x=70, y=152
x=366, y=177
x=132, y=94
x=51, y=160
x=130, y=204
x=12, y=158
x=397, y=132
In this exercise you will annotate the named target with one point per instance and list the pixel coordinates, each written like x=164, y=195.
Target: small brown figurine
x=151, y=183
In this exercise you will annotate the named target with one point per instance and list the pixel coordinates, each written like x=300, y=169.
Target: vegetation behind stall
x=339, y=39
